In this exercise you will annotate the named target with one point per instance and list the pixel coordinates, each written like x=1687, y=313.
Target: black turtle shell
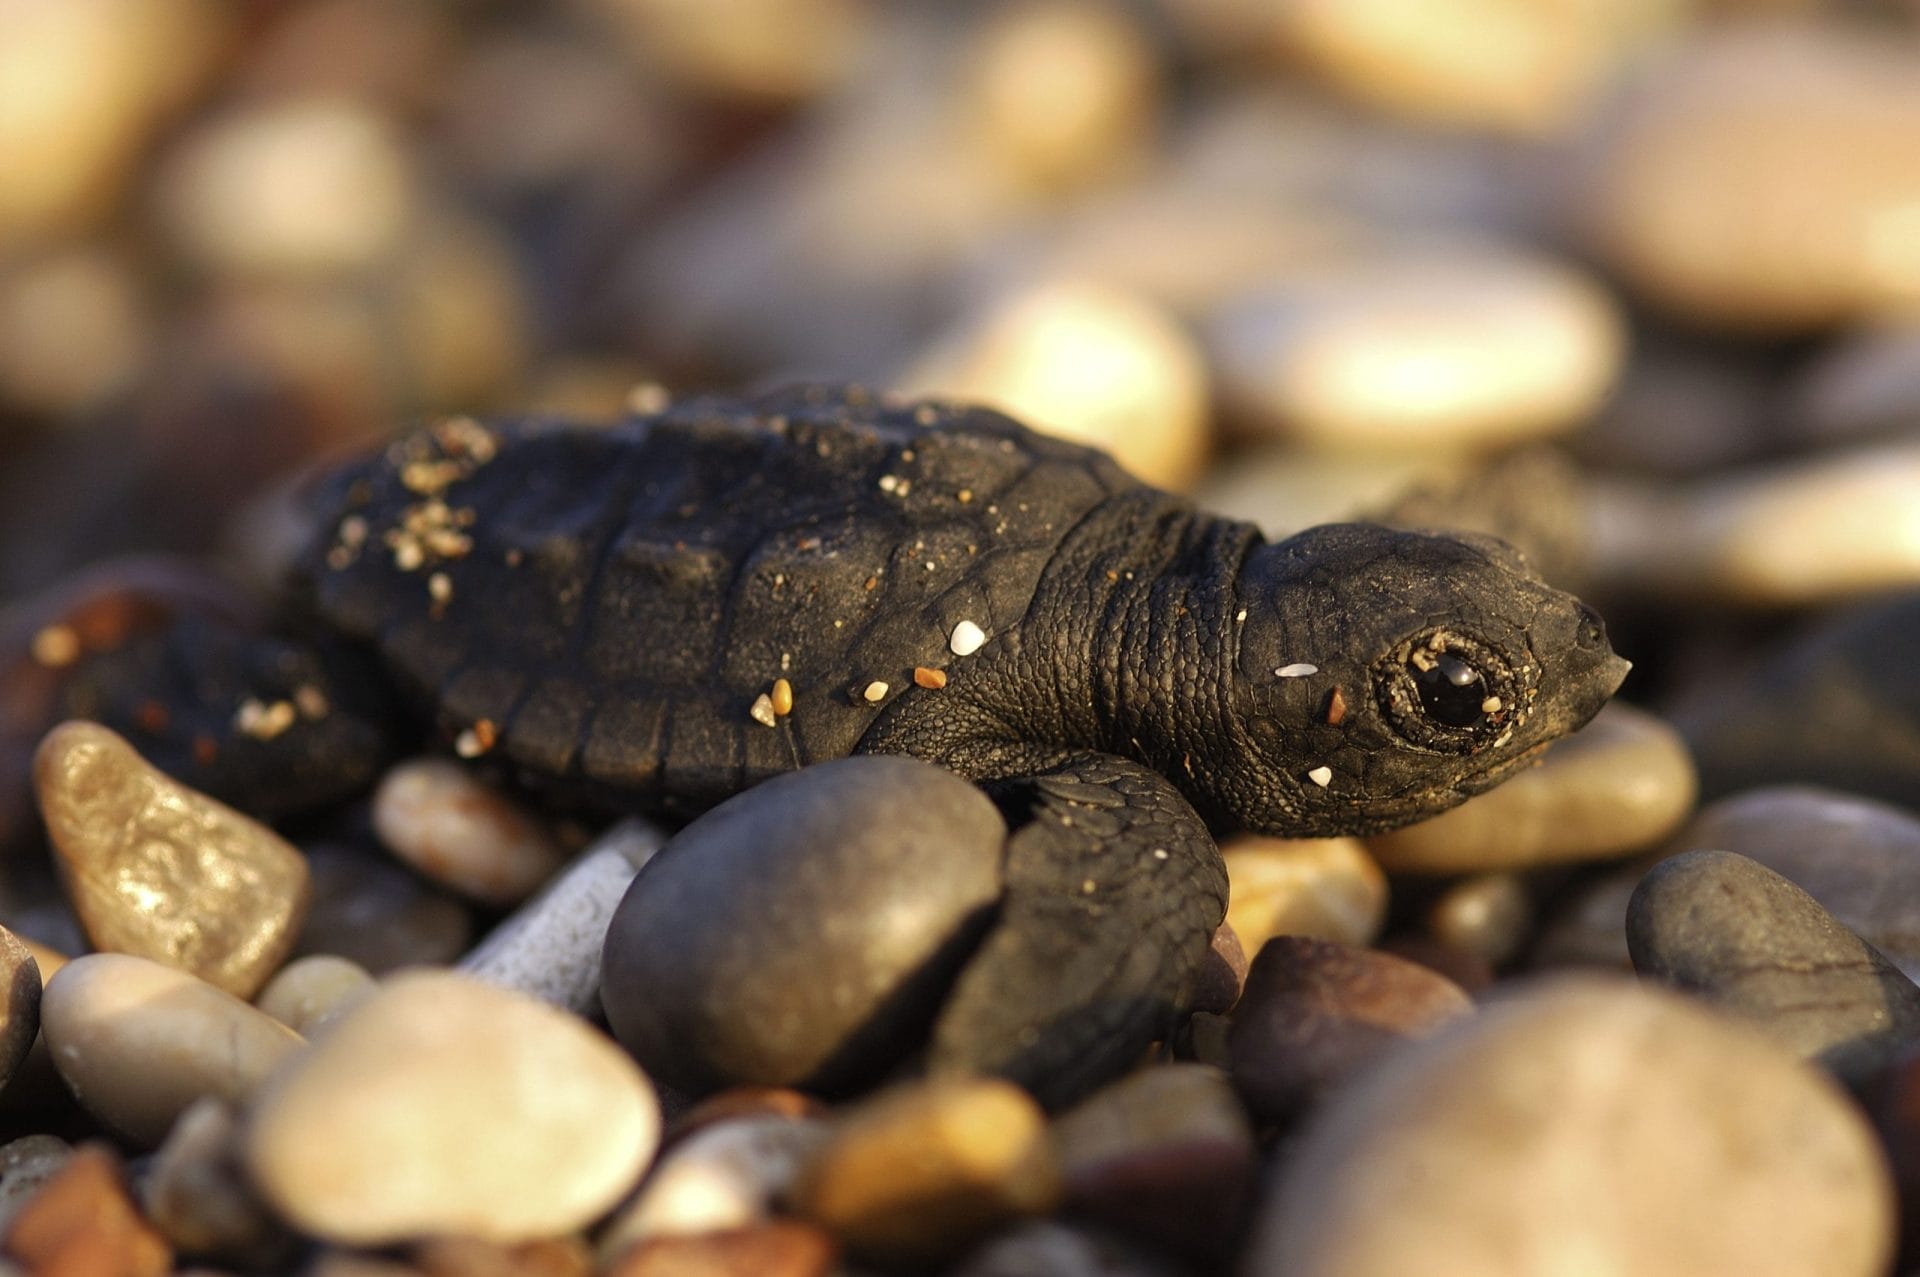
x=602, y=606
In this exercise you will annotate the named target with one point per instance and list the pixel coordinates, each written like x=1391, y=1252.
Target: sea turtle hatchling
x=655, y=615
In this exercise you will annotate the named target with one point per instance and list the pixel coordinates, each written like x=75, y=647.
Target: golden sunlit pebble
x=767, y=50
x=460, y=313
x=780, y=699
x=1527, y=68
x=157, y=869
x=914, y=1174
x=1766, y=179
x=1796, y=534
x=310, y=990
x=1085, y=362
x=137, y=1042
x=1488, y=915
x=439, y=818
x=1592, y=1109
x=298, y=187
x=1062, y=92
x=1426, y=348
x=1328, y=888
x=1619, y=785
x=442, y=1105
x=83, y=85
x=73, y=330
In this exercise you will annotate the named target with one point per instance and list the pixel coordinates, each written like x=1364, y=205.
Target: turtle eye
x=1452, y=692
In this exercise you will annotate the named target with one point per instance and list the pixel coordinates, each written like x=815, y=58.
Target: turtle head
x=1382, y=676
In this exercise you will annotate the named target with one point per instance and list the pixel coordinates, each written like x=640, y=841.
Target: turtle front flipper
x=1113, y=890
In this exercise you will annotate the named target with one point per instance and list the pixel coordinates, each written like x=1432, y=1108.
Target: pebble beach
x=1634, y=286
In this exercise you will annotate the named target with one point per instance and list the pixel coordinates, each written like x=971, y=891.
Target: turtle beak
x=1591, y=671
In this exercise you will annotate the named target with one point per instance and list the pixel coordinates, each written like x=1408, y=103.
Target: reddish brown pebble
x=83, y=1224
x=780, y=1248
x=739, y=1102
x=1336, y=708
x=931, y=679
x=1316, y=1013
x=1223, y=972
x=474, y=1257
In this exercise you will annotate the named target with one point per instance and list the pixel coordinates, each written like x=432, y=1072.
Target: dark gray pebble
x=19, y=1003
x=1735, y=933
x=372, y=911
x=803, y=932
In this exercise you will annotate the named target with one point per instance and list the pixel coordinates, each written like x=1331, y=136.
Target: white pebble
x=1321, y=776
x=966, y=639
x=876, y=692
x=1299, y=669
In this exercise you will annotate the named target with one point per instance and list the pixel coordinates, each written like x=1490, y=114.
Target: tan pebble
x=137, y=1041
x=197, y=1195
x=157, y=869
x=1166, y=1152
x=1764, y=178
x=777, y=1248
x=442, y=1105
x=1285, y=490
x=82, y=1221
x=459, y=313
x=1488, y=915
x=476, y=1257
x=931, y=679
x=766, y=51
x=1587, y=1117
x=74, y=329
x=439, y=818
x=1325, y=887
x=1620, y=785
x=1462, y=347
x=309, y=991
x=84, y=85
x=780, y=699
x=253, y=191
x=1085, y=362
x=1531, y=69
x=733, y=1174
x=916, y=1173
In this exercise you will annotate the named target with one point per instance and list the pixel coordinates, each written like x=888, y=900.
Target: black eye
x=1452, y=692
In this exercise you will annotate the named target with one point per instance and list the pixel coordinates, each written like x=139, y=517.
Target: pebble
x=458, y=311
x=309, y=991
x=1587, y=926
x=1585, y=1124
x=1166, y=1154
x=1735, y=933
x=438, y=818
x=159, y=870
x=1316, y=1014
x=767, y=52
x=1222, y=972
x=1835, y=704
x=74, y=330
x=477, y=1257
x=1864, y=386
x=196, y=1195
x=364, y=1141
x=1454, y=347
x=1285, y=490
x=252, y=192
x=1488, y=915
x=138, y=1041
x=25, y=1164
x=730, y=1175
x=799, y=932
x=1084, y=361
x=1859, y=858
x=1763, y=179
x=378, y=914
x=914, y=1174
x=776, y=1248
x=1052, y=1248
x=1329, y=888
x=20, y=984
x=82, y=1221
x=550, y=948
x=1617, y=786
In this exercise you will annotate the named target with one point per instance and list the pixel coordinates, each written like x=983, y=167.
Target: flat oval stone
x=445, y=1105
x=20, y=983
x=1329, y=888
x=913, y=1174
x=311, y=990
x=138, y=1041
x=437, y=817
x=1617, y=786
x=1859, y=858
x=1316, y=1013
x=1735, y=933
x=798, y=933
x=1589, y=1123
x=161, y=871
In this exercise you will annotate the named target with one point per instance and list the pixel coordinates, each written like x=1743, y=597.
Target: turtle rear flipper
x=1114, y=888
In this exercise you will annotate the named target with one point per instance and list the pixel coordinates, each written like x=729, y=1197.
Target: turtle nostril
x=1592, y=631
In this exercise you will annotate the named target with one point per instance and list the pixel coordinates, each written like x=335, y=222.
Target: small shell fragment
x=966, y=639
x=929, y=678
x=1336, y=707
x=1321, y=776
x=876, y=692
x=1299, y=669
x=761, y=711
x=781, y=698
x=1491, y=705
